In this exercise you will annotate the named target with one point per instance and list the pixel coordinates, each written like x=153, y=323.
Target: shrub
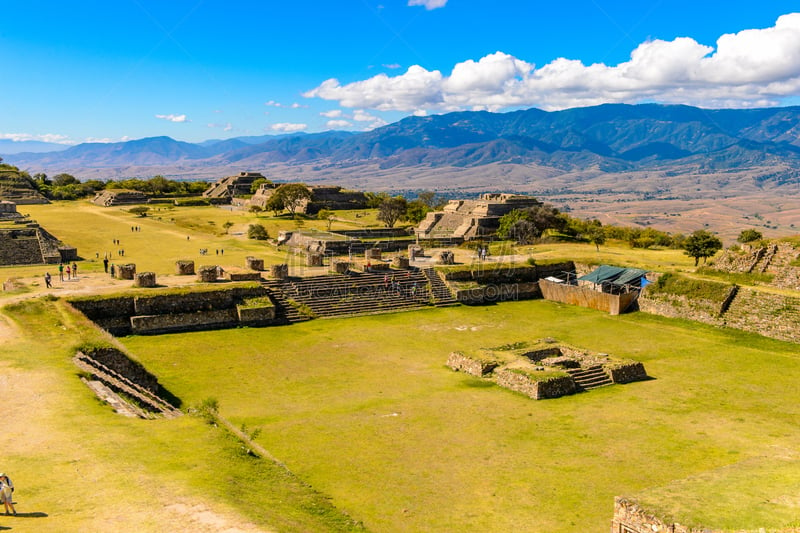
x=257, y=232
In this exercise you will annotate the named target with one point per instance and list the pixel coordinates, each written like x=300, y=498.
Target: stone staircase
x=149, y=405
x=442, y=296
x=590, y=378
x=354, y=294
x=285, y=312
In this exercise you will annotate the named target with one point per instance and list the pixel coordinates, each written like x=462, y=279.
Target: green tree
x=749, y=235
x=293, y=196
x=701, y=244
x=417, y=209
x=59, y=180
x=274, y=203
x=139, y=210
x=326, y=215
x=375, y=199
x=255, y=209
x=391, y=210
x=595, y=234
x=257, y=232
x=258, y=183
x=227, y=225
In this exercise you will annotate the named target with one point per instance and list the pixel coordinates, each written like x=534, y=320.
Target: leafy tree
x=391, y=210
x=160, y=185
x=59, y=180
x=256, y=209
x=227, y=225
x=507, y=221
x=375, y=199
x=257, y=232
x=417, y=209
x=538, y=220
x=327, y=215
x=701, y=244
x=139, y=210
x=258, y=183
x=595, y=234
x=749, y=235
x=274, y=203
x=293, y=195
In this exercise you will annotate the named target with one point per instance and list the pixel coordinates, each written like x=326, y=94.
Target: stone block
x=314, y=260
x=254, y=264
x=446, y=257
x=145, y=279
x=372, y=254
x=341, y=267
x=400, y=262
x=126, y=271
x=184, y=268
x=414, y=251
x=279, y=271
x=208, y=273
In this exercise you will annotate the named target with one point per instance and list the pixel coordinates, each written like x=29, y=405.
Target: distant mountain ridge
x=606, y=138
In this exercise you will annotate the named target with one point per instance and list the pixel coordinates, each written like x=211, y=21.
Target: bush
x=257, y=232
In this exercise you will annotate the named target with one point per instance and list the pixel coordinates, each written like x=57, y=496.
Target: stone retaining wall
x=502, y=292
x=155, y=324
x=121, y=364
x=538, y=390
x=625, y=373
x=613, y=304
x=460, y=362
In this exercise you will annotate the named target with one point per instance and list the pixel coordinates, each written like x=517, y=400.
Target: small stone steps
x=590, y=378
x=285, y=312
x=441, y=292
x=151, y=405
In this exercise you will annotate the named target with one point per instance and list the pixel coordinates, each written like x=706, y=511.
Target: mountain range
x=609, y=138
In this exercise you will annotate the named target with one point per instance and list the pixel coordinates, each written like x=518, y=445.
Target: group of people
x=6, y=492
x=71, y=272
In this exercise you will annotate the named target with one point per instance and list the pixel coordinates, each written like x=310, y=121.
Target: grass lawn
x=365, y=410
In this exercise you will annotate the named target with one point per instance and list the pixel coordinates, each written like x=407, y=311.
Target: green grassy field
x=371, y=423
x=365, y=410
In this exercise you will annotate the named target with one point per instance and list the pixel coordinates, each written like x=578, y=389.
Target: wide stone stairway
x=590, y=378
x=356, y=293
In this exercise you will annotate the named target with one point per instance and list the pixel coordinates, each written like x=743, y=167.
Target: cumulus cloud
x=751, y=68
x=44, y=137
x=273, y=103
x=337, y=124
x=359, y=115
x=173, y=118
x=287, y=127
x=429, y=4
x=333, y=113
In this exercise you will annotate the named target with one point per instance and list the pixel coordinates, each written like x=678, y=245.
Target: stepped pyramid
x=16, y=187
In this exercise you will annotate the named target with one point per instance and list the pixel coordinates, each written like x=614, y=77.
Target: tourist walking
x=68, y=272
x=105, y=265
x=47, y=283
x=6, y=491
x=74, y=270
x=61, y=271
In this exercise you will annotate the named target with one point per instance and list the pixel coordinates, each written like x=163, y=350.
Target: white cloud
x=429, y=4
x=752, y=68
x=392, y=66
x=333, y=113
x=295, y=105
x=44, y=137
x=337, y=124
x=360, y=115
x=103, y=140
x=287, y=127
x=273, y=103
x=225, y=127
x=173, y=118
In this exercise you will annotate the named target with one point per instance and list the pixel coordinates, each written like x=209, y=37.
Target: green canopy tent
x=615, y=279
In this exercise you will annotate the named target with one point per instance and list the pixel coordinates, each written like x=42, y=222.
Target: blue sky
x=207, y=69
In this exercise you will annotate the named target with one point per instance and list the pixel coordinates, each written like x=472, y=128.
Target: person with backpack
x=6, y=490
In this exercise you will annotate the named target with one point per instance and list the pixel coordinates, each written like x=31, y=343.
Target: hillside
x=16, y=188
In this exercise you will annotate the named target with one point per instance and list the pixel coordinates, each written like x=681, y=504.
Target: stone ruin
x=208, y=273
x=322, y=197
x=314, y=259
x=254, y=264
x=446, y=257
x=145, y=280
x=280, y=271
x=546, y=369
x=114, y=197
x=340, y=266
x=125, y=271
x=471, y=219
x=225, y=189
x=184, y=268
x=24, y=242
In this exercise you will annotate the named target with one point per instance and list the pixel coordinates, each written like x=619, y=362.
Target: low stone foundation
x=279, y=271
x=254, y=264
x=527, y=384
x=400, y=262
x=314, y=260
x=127, y=271
x=184, y=268
x=145, y=280
x=473, y=366
x=207, y=274
x=341, y=267
x=372, y=254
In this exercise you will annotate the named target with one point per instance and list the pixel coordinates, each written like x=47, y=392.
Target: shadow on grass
x=36, y=514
